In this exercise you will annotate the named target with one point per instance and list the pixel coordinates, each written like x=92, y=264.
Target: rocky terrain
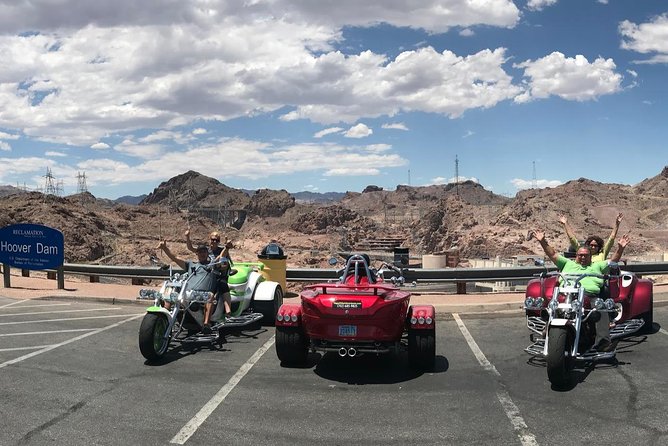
x=430, y=220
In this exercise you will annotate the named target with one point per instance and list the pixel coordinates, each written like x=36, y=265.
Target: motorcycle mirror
x=539, y=262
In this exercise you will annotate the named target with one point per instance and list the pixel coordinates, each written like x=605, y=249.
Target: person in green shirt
x=599, y=249
x=583, y=265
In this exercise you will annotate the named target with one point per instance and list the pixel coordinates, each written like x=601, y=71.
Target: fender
x=265, y=291
x=425, y=313
x=286, y=313
x=155, y=309
x=643, y=296
x=561, y=323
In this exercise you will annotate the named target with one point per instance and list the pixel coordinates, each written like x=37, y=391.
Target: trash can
x=275, y=265
x=401, y=257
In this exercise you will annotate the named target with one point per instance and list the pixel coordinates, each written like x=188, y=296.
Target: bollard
x=6, y=275
x=461, y=287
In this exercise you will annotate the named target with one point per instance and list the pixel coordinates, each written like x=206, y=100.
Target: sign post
x=30, y=246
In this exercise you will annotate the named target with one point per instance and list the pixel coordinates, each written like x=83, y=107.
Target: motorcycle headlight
x=598, y=303
x=279, y=317
x=413, y=320
x=539, y=302
x=177, y=276
x=428, y=320
x=421, y=320
x=609, y=304
x=554, y=304
x=294, y=318
x=529, y=302
x=143, y=292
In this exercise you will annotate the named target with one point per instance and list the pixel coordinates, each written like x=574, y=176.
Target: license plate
x=346, y=304
x=348, y=330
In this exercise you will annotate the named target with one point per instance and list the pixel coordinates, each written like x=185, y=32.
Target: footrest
x=238, y=321
x=537, y=348
x=626, y=328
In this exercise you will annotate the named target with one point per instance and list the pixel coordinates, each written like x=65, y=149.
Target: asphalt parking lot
x=72, y=374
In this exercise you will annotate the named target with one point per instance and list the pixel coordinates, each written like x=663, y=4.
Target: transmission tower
x=49, y=185
x=81, y=183
x=534, y=182
x=60, y=188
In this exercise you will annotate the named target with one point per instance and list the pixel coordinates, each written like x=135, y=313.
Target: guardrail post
x=60, y=272
x=25, y=272
x=6, y=275
x=94, y=279
x=461, y=287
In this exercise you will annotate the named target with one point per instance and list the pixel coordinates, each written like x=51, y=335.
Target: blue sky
x=332, y=95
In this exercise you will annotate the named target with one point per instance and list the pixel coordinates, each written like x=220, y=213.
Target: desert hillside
x=426, y=219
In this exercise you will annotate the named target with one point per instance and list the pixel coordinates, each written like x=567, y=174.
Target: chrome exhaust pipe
x=342, y=352
x=352, y=352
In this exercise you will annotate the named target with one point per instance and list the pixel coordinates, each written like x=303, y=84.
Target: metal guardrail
x=454, y=275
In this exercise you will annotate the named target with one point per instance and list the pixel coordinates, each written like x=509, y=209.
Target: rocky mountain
x=130, y=199
x=10, y=190
x=429, y=219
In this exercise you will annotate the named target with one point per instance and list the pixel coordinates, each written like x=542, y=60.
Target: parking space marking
x=32, y=313
x=191, y=426
x=661, y=330
x=32, y=304
x=509, y=407
x=29, y=333
x=69, y=341
x=70, y=319
x=11, y=303
x=32, y=347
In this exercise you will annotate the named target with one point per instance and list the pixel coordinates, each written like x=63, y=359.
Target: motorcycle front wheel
x=559, y=360
x=152, y=341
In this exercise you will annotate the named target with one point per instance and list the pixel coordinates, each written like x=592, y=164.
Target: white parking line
x=10, y=304
x=28, y=333
x=661, y=330
x=61, y=311
x=191, y=426
x=69, y=341
x=509, y=407
x=33, y=347
x=70, y=319
x=32, y=304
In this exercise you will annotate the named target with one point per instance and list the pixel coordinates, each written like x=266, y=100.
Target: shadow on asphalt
x=370, y=369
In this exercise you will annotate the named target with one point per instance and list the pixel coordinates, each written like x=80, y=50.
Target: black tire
x=152, y=342
x=291, y=346
x=421, y=348
x=559, y=362
x=269, y=310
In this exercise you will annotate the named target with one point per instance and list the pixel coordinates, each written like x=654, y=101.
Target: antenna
x=534, y=182
x=457, y=174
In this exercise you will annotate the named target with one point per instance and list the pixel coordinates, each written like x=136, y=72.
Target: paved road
x=71, y=373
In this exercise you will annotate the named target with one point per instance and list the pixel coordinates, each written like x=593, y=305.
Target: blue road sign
x=30, y=246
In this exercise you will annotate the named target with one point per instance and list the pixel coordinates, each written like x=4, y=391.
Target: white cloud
x=146, y=151
x=165, y=135
x=100, y=146
x=358, y=131
x=603, y=2
x=569, y=78
x=327, y=131
x=352, y=171
x=647, y=38
x=453, y=180
x=521, y=184
x=395, y=126
x=5, y=147
x=468, y=134
x=4, y=135
x=466, y=32
x=199, y=131
x=378, y=148
x=54, y=153
x=538, y=5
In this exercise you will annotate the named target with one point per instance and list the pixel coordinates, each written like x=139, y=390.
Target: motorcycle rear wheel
x=559, y=361
x=421, y=348
x=152, y=342
x=291, y=346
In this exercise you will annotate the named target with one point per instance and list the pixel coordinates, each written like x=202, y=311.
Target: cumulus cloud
x=100, y=146
x=395, y=126
x=5, y=147
x=538, y=5
x=199, y=131
x=647, y=38
x=4, y=135
x=570, y=78
x=358, y=131
x=54, y=153
x=452, y=180
x=139, y=150
x=466, y=32
x=327, y=131
x=521, y=184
